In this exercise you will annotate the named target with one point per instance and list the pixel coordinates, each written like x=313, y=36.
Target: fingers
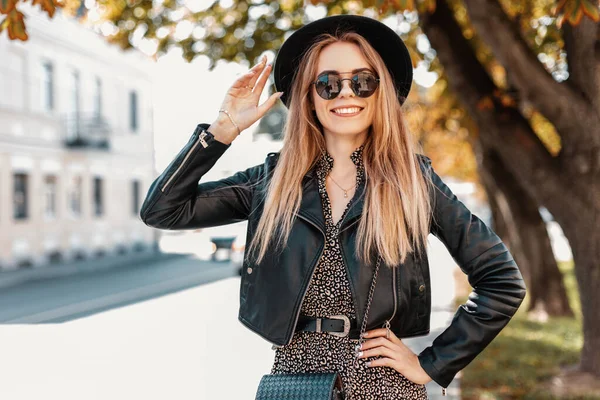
x=258, y=86
x=381, y=362
x=382, y=332
x=263, y=68
x=381, y=341
x=380, y=350
x=264, y=107
x=243, y=81
x=248, y=78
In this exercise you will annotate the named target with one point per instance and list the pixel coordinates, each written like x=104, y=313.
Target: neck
x=340, y=149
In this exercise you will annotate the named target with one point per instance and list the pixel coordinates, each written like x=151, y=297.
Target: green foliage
x=242, y=30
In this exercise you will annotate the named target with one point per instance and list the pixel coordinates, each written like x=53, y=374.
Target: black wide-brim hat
x=384, y=40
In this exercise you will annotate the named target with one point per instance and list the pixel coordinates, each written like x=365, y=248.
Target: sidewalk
x=18, y=276
x=441, y=267
x=187, y=345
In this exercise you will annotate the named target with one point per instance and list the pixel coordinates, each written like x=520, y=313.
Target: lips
x=348, y=111
x=347, y=106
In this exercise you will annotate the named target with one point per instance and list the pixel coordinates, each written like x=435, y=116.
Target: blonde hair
x=396, y=215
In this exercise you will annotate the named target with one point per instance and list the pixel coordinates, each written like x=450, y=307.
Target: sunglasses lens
x=328, y=86
x=364, y=84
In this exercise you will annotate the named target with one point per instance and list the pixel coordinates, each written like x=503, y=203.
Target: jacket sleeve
x=498, y=286
x=176, y=200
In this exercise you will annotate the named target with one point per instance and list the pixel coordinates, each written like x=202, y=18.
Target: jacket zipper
x=313, y=272
x=387, y=322
x=200, y=139
x=346, y=227
x=311, y=276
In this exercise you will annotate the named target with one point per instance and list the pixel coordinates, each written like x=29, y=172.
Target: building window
x=20, y=196
x=75, y=196
x=12, y=84
x=133, y=111
x=73, y=128
x=47, y=86
x=135, y=187
x=50, y=196
x=98, y=98
x=98, y=197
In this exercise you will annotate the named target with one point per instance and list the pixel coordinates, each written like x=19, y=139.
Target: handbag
x=310, y=386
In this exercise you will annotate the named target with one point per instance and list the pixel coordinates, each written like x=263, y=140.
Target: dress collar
x=326, y=160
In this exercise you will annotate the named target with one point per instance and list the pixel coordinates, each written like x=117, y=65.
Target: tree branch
x=501, y=127
x=562, y=104
x=580, y=45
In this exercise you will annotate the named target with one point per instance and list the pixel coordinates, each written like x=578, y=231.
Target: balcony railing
x=86, y=131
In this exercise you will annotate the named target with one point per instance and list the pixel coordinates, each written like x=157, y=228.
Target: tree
x=508, y=132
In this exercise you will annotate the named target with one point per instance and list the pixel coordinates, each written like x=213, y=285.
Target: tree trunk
x=518, y=219
x=582, y=229
x=567, y=185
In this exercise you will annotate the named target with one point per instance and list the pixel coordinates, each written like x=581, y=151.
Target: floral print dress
x=329, y=294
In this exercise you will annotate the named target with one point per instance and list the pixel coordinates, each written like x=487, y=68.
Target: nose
x=346, y=88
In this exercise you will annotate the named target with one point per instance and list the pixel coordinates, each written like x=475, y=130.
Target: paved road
x=79, y=295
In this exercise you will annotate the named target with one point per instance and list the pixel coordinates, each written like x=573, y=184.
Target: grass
x=525, y=353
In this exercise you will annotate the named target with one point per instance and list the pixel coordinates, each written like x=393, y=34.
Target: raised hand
x=241, y=100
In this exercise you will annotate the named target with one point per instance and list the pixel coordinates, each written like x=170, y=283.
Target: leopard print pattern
x=328, y=294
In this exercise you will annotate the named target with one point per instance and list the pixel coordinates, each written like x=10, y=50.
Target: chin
x=346, y=128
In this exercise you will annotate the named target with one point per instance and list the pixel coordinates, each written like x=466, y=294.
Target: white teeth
x=346, y=110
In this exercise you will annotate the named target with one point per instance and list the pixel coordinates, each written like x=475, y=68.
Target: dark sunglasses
x=329, y=84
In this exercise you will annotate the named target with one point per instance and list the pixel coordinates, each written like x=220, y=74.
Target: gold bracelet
x=232, y=121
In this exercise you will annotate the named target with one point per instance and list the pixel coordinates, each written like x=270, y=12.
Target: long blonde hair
x=396, y=215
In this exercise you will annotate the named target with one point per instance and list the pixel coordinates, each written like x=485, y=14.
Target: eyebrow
x=329, y=71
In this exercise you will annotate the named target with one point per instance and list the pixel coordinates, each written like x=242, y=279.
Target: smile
x=347, y=112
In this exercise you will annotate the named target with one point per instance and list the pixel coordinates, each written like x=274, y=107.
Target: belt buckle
x=346, y=325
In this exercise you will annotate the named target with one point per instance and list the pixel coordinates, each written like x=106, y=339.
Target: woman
x=347, y=187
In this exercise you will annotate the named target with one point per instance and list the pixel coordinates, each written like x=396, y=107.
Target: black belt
x=336, y=325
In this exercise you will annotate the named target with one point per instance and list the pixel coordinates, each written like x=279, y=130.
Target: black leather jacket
x=271, y=293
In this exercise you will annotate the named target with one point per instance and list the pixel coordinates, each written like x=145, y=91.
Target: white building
x=76, y=144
